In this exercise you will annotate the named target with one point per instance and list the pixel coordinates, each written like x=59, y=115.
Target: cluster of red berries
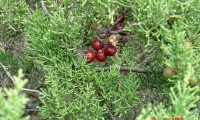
x=98, y=45
x=100, y=54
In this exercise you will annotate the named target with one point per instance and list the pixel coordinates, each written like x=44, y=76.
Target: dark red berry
x=120, y=18
x=97, y=44
x=90, y=55
x=110, y=50
x=119, y=26
x=100, y=55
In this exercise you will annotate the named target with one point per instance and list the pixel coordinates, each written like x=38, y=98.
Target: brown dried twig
x=111, y=115
x=13, y=80
x=14, y=48
x=31, y=110
x=128, y=69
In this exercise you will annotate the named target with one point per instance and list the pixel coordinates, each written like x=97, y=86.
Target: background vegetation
x=46, y=39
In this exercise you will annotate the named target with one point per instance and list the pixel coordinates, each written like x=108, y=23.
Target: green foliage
x=75, y=90
x=12, y=19
x=182, y=105
x=12, y=101
x=12, y=36
x=176, y=46
x=53, y=32
x=80, y=92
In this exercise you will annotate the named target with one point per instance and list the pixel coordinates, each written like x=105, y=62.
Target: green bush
x=155, y=36
x=179, y=109
x=13, y=101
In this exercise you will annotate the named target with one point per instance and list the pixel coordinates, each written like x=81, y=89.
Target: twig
x=116, y=32
x=138, y=70
x=31, y=110
x=7, y=73
x=13, y=80
x=30, y=90
x=34, y=96
x=111, y=115
x=10, y=47
x=44, y=7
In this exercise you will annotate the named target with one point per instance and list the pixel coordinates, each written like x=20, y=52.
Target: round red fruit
x=97, y=44
x=120, y=18
x=100, y=55
x=90, y=55
x=110, y=50
x=119, y=26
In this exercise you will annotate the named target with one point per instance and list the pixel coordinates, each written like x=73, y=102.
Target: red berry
x=90, y=55
x=100, y=55
x=120, y=18
x=97, y=44
x=119, y=26
x=110, y=50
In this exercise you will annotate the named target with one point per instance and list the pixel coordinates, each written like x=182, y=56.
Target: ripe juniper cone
x=120, y=18
x=90, y=55
x=119, y=26
x=168, y=72
x=97, y=44
x=110, y=50
x=100, y=56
